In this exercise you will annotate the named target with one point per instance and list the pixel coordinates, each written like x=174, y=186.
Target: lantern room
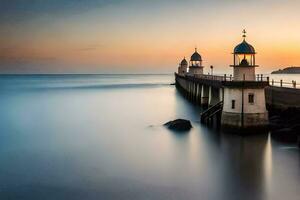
x=196, y=60
x=244, y=54
x=244, y=61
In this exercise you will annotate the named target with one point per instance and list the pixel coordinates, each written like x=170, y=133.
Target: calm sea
x=88, y=137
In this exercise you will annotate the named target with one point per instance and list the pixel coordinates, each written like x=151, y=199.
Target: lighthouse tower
x=244, y=61
x=244, y=96
x=183, y=66
x=195, y=64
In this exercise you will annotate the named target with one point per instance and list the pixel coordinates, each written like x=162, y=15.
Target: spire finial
x=196, y=49
x=244, y=34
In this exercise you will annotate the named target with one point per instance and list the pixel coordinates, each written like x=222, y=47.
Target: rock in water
x=179, y=125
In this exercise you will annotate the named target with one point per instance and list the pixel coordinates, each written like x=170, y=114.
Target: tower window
x=233, y=104
x=251, y=98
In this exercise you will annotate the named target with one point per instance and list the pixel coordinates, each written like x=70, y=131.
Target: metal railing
x=226, y=77
x=210, y=77
x=261, y=77
x=258, y=78
x=211, y=112
x=282, y=83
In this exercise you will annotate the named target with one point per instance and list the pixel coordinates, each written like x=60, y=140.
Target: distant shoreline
x=288, y=70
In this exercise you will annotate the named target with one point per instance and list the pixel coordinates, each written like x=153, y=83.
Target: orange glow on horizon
x=116, y=37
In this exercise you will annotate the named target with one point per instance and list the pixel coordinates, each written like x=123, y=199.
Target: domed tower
x=244, y=97
x=196, y=64
x=244, y=61
x=183, y=66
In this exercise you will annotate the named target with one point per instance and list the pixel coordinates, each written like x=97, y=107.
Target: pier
x=238, y=101
x=282, y=98
x=208, y=91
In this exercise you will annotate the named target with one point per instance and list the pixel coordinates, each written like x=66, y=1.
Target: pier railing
x=258, y=78
x=226, y=77
x=282, y=83
x=211, y=77
x=208, y=114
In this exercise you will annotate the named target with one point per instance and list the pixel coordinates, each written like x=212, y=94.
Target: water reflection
x=97, y=144
x=243, y=161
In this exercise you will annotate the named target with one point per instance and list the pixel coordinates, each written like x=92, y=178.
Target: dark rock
x=179, y=125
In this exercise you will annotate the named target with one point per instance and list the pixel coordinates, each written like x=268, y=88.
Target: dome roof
x=196, y=56
x=244, y=48
x=184, y=62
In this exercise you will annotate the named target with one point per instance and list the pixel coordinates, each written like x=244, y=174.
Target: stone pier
x=214, y=95
x=199, y=92
x=204, y=95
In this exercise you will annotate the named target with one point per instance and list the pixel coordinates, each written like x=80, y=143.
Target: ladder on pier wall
x=212, y=112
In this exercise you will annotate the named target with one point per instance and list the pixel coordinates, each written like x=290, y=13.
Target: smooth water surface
x=101, y=137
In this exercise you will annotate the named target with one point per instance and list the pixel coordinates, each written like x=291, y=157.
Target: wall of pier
x=208, y=93
x=282, y=98
x=200, y=93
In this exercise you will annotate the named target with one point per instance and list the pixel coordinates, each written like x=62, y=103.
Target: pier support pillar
x=221, y=94
x=199, y=87
x=194, y=91
x=189, y=89
x=214, y=96
x=204, y=95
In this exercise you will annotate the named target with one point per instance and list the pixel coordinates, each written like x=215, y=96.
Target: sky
x=144, y=36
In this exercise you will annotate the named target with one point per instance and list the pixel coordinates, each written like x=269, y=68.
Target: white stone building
x=244, y=96
x=183, y=67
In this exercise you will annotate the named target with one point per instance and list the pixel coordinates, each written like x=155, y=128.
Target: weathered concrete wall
x=214, y=96
x=204, y=95
x=195, y=70
x=276, y=97
x=282, y=98
x=239, y=72
x=259, y=105
x=245, y=114
x=255, y=114
x=182, y=83
x=250, y=119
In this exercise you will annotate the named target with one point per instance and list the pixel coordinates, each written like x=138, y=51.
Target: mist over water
x=101, y=137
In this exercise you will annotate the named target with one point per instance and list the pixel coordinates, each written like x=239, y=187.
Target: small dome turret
x=196, y=56
x=196, y=59
x=244, y=48
x=244, y=54
x=244, y=61
x=184, y=62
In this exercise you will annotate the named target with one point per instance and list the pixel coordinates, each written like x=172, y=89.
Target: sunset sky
x=143, y=36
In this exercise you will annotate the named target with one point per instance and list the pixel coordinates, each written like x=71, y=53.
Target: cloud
x=12, y=10
x=23, y=55
x=26, y=59
x=90, y=47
